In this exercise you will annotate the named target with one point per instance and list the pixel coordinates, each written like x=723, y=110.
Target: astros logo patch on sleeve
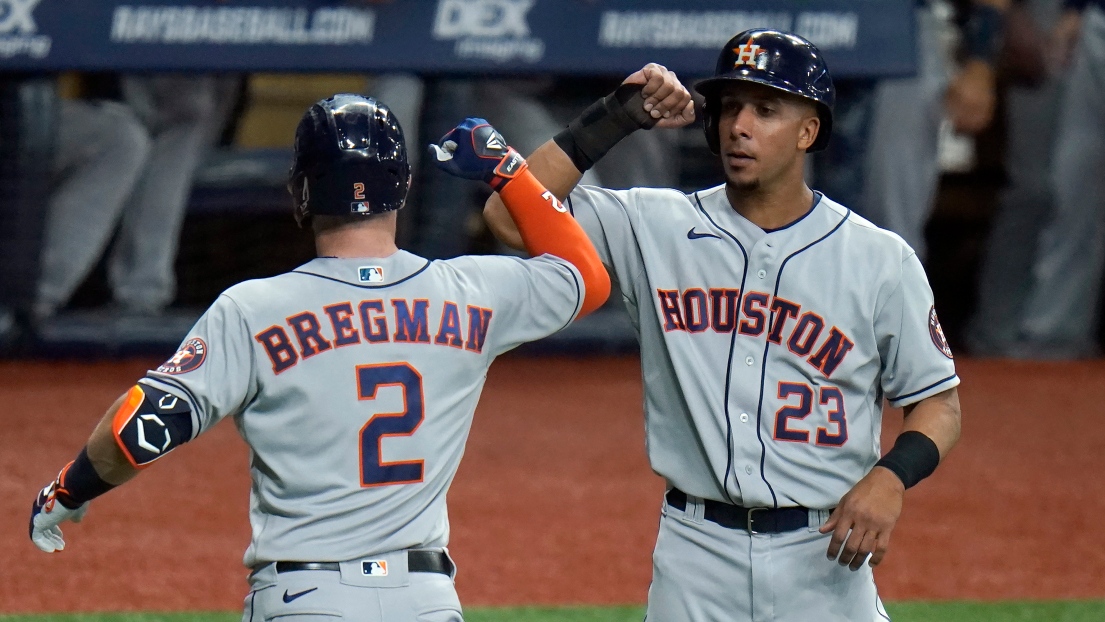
x=937, y=334
x=188, y=358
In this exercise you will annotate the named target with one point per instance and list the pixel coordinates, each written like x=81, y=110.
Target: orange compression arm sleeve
x=547, y=227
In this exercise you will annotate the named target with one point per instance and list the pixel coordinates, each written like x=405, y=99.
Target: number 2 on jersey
x=801, y=410
x=374, y=471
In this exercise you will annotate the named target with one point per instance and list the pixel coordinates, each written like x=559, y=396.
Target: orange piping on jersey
x=547, y=227
x=123, y=416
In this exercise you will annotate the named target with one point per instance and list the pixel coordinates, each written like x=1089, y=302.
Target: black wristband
x=603, y=124
x=79, y=483
x=913, y=458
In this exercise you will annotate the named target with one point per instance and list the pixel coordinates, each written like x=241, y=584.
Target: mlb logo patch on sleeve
x=374, y=568
x=371, y=274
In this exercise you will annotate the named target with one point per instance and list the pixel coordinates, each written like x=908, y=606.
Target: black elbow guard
x=150, y=424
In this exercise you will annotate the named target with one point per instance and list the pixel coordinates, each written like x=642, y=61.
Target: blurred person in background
x=1031, y=99
x=902, y=171
x=128, y=168
x=1061, y=312
x=102, y=148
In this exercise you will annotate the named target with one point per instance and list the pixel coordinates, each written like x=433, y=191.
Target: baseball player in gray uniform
x=353, y=378
x=773, y=324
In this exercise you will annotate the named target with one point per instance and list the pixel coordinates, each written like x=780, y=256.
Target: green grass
x=1043, y=611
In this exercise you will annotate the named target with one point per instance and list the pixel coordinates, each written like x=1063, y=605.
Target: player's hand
x=972, y=97
x=475, y=150
x=862, y=522
x=47, y=513
x=665, y=96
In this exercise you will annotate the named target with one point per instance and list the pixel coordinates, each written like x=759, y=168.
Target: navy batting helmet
x=776, y=59
x=350, y=158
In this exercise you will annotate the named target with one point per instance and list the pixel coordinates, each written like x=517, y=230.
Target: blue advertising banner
x=858, y=37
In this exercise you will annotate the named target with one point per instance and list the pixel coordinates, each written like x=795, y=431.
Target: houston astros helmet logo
x=750, y=54
x=937, y=334
x=190, y=356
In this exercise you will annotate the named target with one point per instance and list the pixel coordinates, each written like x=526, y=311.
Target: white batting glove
x=47, y=514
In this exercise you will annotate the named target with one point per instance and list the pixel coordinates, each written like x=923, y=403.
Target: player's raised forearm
x=554, y=170
x=554, y=231
x=651, y=97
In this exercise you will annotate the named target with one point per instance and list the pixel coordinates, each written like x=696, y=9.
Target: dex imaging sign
x=494, y=30
x=19, y=32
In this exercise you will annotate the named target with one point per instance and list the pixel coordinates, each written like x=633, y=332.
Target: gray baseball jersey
x=766, y=355
x=354, y=382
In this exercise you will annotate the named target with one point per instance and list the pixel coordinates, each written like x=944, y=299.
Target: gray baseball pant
x=703, y=572
x=350, y=594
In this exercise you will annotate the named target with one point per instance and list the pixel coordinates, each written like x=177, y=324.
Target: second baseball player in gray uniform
x=773, y=323
x=353, y=378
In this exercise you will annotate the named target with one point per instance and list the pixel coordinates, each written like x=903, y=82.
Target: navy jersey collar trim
x=817, y=196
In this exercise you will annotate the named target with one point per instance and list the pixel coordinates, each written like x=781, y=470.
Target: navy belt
x=752, y=520
x=417, y=561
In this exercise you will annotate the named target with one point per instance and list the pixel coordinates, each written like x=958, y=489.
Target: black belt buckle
x=749, y=526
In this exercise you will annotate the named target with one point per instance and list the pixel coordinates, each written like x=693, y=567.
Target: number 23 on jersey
x=832, y=401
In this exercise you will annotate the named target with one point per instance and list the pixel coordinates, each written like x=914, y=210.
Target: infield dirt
x=554, y=502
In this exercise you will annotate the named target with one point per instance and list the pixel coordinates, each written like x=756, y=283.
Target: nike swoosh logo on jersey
x=694, y=235
x=290, y=597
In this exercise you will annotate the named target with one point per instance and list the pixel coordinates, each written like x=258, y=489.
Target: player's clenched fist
x=475, y=150
x=665, y=96
x=862, y=522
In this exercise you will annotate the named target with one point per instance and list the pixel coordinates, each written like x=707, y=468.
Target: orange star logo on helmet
x=750, y=54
